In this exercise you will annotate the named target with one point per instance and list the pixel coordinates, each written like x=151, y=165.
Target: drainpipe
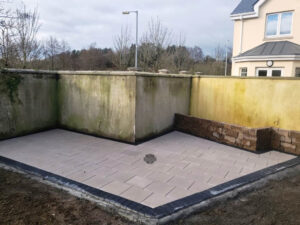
x=242, y=34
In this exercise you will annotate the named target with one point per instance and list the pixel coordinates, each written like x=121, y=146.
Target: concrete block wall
x=98, y=104
x=125, y=106
x=28, y=102
x=248, y=102
x=157, y=101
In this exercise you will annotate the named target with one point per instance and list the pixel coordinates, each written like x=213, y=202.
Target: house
x=266, y=38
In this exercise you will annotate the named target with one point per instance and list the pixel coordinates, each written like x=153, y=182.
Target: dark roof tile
x=245, y=6
x=273, y=48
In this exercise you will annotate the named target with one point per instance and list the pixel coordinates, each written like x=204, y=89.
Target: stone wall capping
x=97, y=73
x=137, y=73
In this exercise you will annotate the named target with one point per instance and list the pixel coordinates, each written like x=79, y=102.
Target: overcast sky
x=205, y=23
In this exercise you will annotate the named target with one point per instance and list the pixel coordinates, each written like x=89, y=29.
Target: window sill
x=277, y=38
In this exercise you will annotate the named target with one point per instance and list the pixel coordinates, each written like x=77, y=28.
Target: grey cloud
x=80, y=22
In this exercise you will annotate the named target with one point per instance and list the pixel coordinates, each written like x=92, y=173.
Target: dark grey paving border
x=164, y=210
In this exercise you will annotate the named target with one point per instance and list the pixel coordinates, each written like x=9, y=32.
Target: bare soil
x=26, y=201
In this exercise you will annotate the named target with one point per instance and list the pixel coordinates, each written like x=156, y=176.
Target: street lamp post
x=137, y=35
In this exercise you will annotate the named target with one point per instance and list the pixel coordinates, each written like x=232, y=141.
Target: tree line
x=20, y=48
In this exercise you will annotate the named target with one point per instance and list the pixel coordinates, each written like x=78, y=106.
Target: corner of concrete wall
x=28, y=102
x=158, y=98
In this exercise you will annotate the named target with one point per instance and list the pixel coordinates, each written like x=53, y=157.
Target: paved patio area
x=185, y=164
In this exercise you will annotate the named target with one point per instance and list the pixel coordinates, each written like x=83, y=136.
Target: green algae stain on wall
x=9, y=84
x=99, y=105
x=251, y=102
x=158, y=99
x=28, y=104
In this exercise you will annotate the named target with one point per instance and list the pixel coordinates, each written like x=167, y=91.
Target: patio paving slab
x=185, y=164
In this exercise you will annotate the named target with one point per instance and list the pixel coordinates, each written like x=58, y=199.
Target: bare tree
x=4, y=12
x=52, y=48
x=8, y=51
x=27, y=27
x=153, y=44
x=122, y=49
x=181, y=55
x=196, y=53
x=7, y=34
x=63, y=56
x=220, y=53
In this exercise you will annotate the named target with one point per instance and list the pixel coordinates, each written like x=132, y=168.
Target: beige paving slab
x=98, y=181
x=160, y=176
x=178, y=193
x=185, y=164
x=160, y=187
x=155, y=200
x=139, y=181
x=183, y=182
x=199, y=186
x=116, y=187
x=136, y=194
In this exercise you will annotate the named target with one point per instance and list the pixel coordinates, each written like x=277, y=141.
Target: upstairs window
x=279, y=24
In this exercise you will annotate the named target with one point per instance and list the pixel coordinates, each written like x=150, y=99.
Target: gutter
x=267, y=57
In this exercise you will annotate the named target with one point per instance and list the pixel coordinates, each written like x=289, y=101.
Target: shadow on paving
x=25, y=201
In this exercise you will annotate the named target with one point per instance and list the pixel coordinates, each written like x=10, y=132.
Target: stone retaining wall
x=253, y=139
x=247, y=138
x=286, y=141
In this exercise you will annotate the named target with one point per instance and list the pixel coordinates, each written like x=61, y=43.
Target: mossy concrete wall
x=125, y=106
x=249, y=102
x=131, y=106
x=28, y=102
x=158, y=99
x=98, y=104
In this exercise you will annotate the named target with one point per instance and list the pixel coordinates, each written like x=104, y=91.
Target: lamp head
x=126, y=13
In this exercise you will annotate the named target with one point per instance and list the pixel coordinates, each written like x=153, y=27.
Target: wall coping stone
x=97, y=73
x=142, y=74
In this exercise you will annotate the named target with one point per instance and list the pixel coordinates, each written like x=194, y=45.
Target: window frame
x=278, y=29
x=241, y=71
x=296, y=70
x=269, y=71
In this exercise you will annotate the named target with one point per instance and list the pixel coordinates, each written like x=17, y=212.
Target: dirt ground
x=26, y=201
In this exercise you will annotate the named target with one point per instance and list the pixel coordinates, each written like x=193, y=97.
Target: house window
x=269, y=72
x=276, y=73
x=262, y=73
x=298, y=72
x=244, y=71
x=279, y=24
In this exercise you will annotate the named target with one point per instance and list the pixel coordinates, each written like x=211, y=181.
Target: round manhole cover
x=150, y=159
